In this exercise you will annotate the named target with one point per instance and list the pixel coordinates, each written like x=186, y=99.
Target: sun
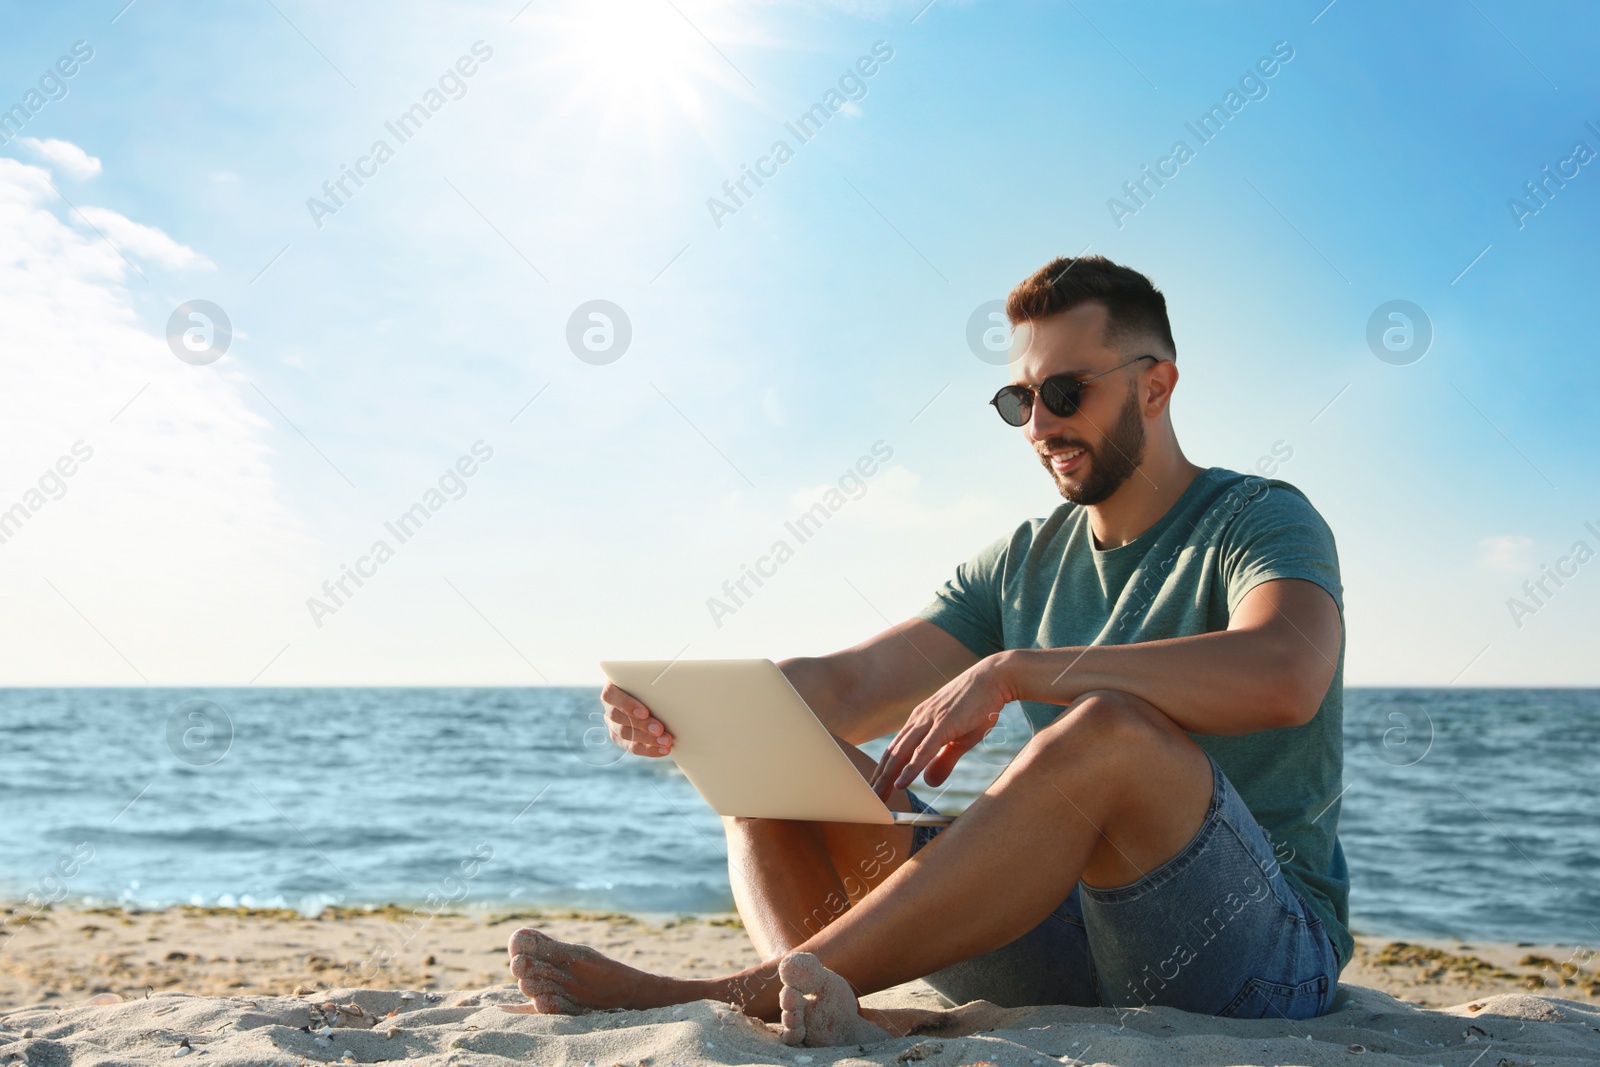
x=646, y=62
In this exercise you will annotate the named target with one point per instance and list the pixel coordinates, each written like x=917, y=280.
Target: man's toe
x=539, y=985
x=535, y=967
x=794, y=1027
x=791, y=999
x=525, y=942
x=532, y=968
x=802, y=971
x=555, y=1004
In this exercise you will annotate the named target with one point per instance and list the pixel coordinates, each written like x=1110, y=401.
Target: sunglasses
x=1061, y=394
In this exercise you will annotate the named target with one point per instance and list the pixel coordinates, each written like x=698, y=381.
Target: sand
x=227, y=983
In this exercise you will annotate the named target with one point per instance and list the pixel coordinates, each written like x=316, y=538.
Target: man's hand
x=632, y=726
x=944, y=728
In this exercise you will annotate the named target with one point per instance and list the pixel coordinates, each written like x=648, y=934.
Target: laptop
x=751, y=745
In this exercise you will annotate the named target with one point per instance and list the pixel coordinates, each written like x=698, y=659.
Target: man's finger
x=621, y=718
x=931, y=743
x=883, y=771
x=883, y=760
x=629, y=734
x=620, y=698
x=940, y=767
x=615, y=694
x=895, y=757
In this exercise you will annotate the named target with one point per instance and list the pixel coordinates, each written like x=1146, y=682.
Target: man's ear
x=1159, y=382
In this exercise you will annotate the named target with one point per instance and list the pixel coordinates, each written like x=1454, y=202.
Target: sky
x=426, y=335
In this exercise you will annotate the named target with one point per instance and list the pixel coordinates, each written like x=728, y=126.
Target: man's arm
x=860, y=693
x=869, y=690
x=1271, y=667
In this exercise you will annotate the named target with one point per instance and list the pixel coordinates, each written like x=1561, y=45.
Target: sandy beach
x=254, y=987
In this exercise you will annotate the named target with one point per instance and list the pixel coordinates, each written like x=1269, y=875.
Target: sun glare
x=645, y=62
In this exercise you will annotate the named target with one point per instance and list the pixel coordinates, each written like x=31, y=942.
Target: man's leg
x=791, y=879
x=1220, y=931
x=1109, y=791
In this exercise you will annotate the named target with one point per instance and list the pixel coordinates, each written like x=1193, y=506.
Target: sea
x=1467, y=813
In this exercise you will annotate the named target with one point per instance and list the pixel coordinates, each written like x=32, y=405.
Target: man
x=1167, y=836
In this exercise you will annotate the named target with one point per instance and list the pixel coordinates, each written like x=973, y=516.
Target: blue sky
x=770, y=352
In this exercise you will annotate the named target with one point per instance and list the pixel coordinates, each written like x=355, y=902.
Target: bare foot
x=819, y=1007
x=564, y=979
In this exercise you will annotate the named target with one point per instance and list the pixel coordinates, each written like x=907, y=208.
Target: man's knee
x=1106, y=718
x=1114, y=708
x=1112, y=731
x=766, y=829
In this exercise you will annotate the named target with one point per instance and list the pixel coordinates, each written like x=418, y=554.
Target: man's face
x=1092, y=452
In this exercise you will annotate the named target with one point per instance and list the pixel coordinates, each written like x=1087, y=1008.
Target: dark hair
x=1134, y=307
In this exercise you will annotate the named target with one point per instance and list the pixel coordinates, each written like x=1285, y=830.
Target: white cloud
x=64, y=156
x=169, y=534
x=145, y=242
x=1510, y=553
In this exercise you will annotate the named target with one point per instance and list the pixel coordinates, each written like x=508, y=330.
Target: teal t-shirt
x=1048, y=586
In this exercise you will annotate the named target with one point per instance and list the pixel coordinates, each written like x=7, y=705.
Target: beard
x=1111, y=462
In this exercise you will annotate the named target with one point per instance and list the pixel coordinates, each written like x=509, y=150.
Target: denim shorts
x=1216, y=930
